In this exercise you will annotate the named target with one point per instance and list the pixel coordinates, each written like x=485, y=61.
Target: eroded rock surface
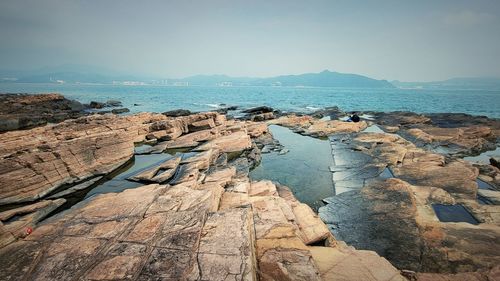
x=308, y=125
x=389, y=185
x=210, y=222
x=23, y=111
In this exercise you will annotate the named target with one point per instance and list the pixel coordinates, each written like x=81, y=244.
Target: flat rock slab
x=226, y=246
x=109, y=236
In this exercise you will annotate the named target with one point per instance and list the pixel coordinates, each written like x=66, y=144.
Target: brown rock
x=234, y=142
x=262, y=188
x=311, y=226
x=22, y=111
x=226, y=246
x=344, y=264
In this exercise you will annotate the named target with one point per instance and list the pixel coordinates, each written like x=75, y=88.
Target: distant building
x=225, y=84
x=181, y=84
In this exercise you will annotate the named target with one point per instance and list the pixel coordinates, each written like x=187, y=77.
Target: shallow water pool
x=304, y=168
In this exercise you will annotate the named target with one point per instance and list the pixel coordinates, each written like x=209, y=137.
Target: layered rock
x=308, y=125
x=23, y=111
x=214, y=224
x=454, y=134
x=35, y=162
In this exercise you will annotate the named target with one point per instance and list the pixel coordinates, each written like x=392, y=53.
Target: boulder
x=97, y=105
x=177, y=113
x=258, y=110
x=120, y=110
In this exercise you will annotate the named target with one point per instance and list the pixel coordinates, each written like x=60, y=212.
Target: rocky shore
x=196, y=214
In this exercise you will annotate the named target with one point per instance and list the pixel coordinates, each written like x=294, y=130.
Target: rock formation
x=206, y=222
x=23, y=111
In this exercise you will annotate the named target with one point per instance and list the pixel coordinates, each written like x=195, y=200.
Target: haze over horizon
x=390, y=40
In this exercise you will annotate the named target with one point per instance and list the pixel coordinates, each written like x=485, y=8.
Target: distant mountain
x=323, y=79
x=465, y=83
x=89, y=74
x=69, y=73
x=214, y=80
x=327, y=79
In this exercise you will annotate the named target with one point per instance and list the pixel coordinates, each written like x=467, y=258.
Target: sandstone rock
x=457, y=177
x=42, y=159
x=222, y=177
x=234, y=142
x=233, y=200
x=262, y=188
x=23, y=111
x=293, y=121
x=201, y=125
x=285, y=259
x=226, y=246
x=401, y=118
x=311, y=226
x=256, y=129
x=262, y=116
x=325, y=128
x=344, y=264
x=203, y=159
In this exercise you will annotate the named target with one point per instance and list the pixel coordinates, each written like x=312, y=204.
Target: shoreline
x=422, y=152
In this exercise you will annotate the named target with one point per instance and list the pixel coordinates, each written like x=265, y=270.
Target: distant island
x=83, y=74
x=464, y=83
x=75, y=74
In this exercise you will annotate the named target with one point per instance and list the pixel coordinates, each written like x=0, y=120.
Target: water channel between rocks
x=304, y=168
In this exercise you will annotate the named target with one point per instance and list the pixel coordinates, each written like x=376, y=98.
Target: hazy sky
x=405, y=40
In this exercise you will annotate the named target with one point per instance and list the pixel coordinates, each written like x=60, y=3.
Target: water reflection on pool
x=304, y=169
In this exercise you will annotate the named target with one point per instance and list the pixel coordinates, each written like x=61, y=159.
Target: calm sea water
x=163, y=98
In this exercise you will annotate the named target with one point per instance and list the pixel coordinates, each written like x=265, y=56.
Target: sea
x=141, y=98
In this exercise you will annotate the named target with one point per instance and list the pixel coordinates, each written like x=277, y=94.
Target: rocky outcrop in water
x=23, y=111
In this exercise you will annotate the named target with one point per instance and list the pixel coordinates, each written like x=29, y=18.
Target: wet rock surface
x=386, y=186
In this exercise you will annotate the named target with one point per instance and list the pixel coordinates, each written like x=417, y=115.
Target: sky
x=394, y=40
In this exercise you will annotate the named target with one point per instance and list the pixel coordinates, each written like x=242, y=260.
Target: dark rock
x=113, y=103
x=355, y=217
x=23, y=111
x=120, y=110
x=495, y=162
x=258, y=110
x=457, y=120
x=96, y=105
x=401, y=118
x=177, y=113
